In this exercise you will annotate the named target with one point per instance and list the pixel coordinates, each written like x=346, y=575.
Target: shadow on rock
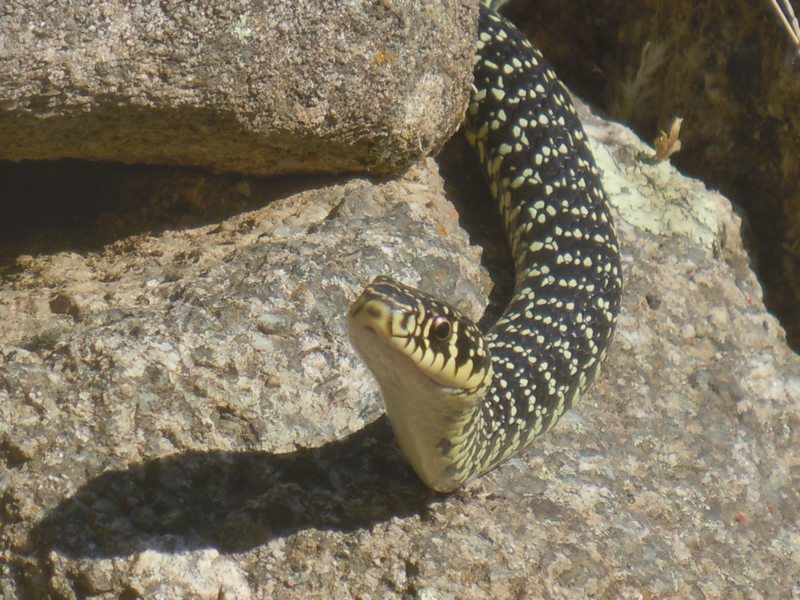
x=80, y=206
x=234, y=501
x=467, y=189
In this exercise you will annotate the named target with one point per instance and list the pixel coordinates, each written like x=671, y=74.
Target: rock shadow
x=467, y=189
x=235, y=501
x=81, y=206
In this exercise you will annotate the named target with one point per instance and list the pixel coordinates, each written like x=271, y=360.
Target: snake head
x=391, y=321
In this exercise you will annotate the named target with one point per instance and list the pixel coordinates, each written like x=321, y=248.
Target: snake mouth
x=373, y=333
x=380, y=332
x=387, y=360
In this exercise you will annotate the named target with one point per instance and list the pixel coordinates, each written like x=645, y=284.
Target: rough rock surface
x=247, y=87
x=182, y=416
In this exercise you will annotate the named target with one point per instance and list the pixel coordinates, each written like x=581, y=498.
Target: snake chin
x=393, y=368
x=420, y=409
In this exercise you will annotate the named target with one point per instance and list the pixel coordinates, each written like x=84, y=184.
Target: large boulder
x=249, y=87
x=181, y=414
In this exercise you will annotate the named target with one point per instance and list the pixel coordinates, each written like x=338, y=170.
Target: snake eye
x=441, y=329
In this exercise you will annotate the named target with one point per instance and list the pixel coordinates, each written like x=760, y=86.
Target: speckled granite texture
x=261, y=88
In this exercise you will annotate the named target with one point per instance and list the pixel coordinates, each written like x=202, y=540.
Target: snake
x=460, y=401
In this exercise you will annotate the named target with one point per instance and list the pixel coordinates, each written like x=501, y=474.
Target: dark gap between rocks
x=79, y=206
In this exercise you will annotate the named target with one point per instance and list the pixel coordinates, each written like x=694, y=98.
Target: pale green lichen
x=241, y=29
x=656, y=198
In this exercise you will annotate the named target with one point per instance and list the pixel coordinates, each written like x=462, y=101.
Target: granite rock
x=249, y=87
x=182, y=415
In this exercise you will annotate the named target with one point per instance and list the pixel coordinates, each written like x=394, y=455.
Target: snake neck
x=426, y=422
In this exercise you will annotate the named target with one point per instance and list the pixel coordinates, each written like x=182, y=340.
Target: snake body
x=461, y=402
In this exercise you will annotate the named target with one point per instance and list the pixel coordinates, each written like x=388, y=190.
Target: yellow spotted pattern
x=547, y=347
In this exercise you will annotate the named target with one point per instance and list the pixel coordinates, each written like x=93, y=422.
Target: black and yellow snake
x=460, y=402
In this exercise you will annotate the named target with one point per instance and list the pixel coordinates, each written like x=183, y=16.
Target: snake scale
x=461, y=402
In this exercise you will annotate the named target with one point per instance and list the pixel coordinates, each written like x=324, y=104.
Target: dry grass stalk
x=789, y=20
x=667, y=144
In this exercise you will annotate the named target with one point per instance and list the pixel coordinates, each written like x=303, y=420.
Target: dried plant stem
x=789, y=20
